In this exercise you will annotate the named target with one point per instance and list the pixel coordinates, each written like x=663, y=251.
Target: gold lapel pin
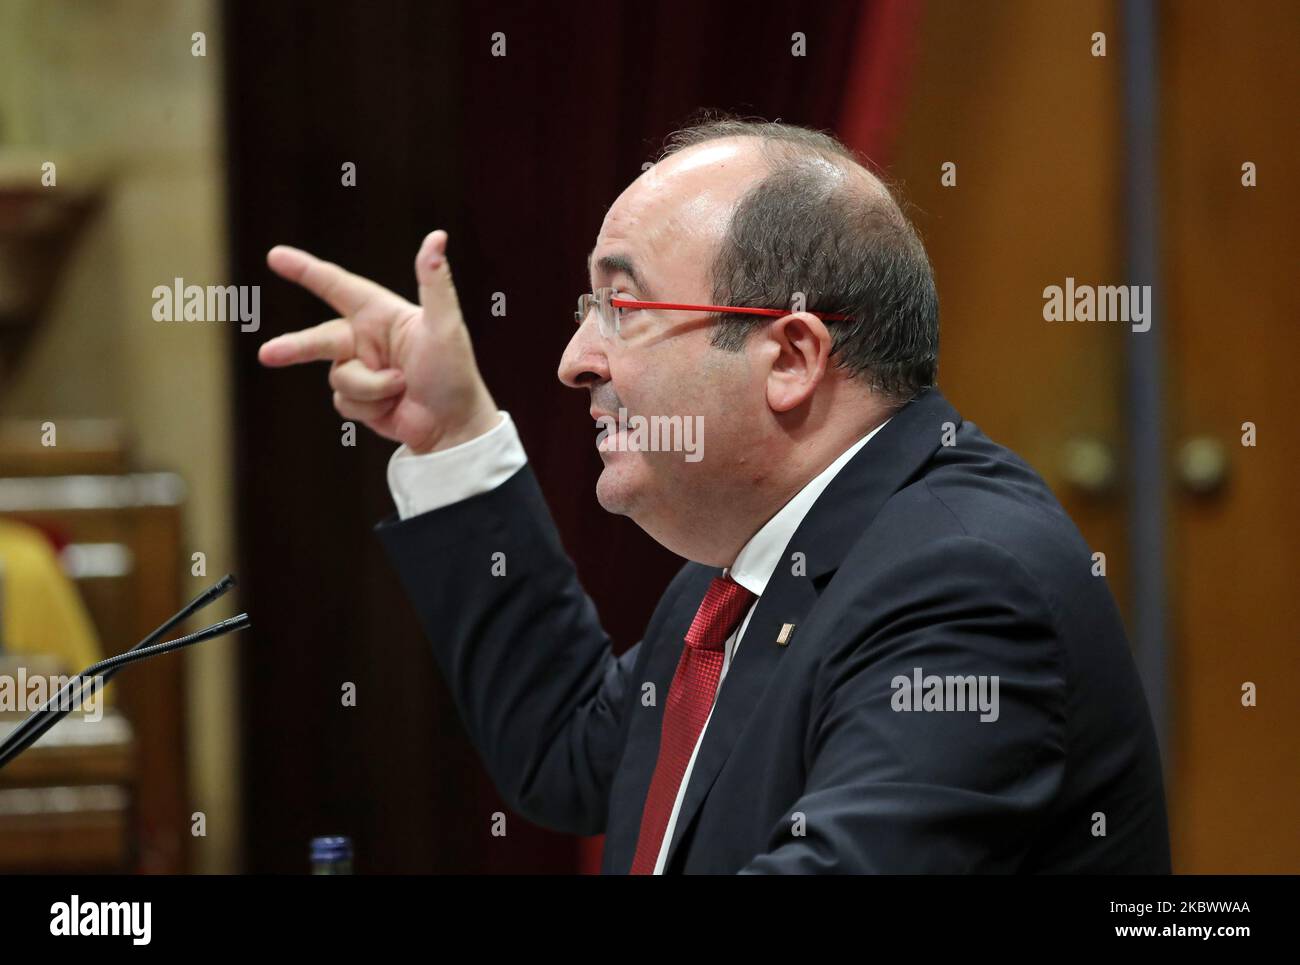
x=783, y=637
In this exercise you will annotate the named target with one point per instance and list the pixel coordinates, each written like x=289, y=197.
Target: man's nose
x=584, y=360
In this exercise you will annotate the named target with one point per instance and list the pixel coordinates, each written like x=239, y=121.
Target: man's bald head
x=807, y=225
x=752, y=216
x=672, y=220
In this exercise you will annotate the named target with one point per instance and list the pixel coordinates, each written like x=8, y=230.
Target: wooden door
x=1013, y=96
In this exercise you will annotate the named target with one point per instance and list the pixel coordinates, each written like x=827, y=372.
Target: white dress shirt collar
x=758, y=559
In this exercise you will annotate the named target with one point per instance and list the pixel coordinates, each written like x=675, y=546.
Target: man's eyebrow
x=615, y=264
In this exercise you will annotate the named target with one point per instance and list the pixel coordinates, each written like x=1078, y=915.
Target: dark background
x=518, y=158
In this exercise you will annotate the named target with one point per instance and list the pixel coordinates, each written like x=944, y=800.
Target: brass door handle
x=1089, y=466
x=1202, y=465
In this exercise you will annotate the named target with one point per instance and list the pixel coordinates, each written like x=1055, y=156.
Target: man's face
x=657, y=243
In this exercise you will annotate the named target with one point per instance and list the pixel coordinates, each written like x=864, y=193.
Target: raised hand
x=406, y=371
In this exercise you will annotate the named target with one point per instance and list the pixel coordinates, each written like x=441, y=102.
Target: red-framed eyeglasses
x=610, y=310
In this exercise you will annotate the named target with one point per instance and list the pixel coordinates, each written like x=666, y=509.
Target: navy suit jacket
x=934, y=552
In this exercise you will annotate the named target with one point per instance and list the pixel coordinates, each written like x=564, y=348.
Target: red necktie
x=690, y=698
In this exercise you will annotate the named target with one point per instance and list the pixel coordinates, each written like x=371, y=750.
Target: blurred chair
x=92, y=553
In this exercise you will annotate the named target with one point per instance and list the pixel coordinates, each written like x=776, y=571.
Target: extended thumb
x=433, y=274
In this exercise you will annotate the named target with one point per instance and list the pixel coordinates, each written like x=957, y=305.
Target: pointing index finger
x=341, y=289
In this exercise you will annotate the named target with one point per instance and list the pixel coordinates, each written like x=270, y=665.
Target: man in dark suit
x=890, y=650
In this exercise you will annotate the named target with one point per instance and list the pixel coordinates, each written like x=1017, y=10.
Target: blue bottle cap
x=334, y=848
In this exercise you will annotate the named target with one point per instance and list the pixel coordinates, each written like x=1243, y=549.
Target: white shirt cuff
x=423, y=483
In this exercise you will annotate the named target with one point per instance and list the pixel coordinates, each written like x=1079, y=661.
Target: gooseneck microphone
x=70, y=696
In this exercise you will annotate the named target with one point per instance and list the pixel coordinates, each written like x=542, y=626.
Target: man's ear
x=798, y=347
